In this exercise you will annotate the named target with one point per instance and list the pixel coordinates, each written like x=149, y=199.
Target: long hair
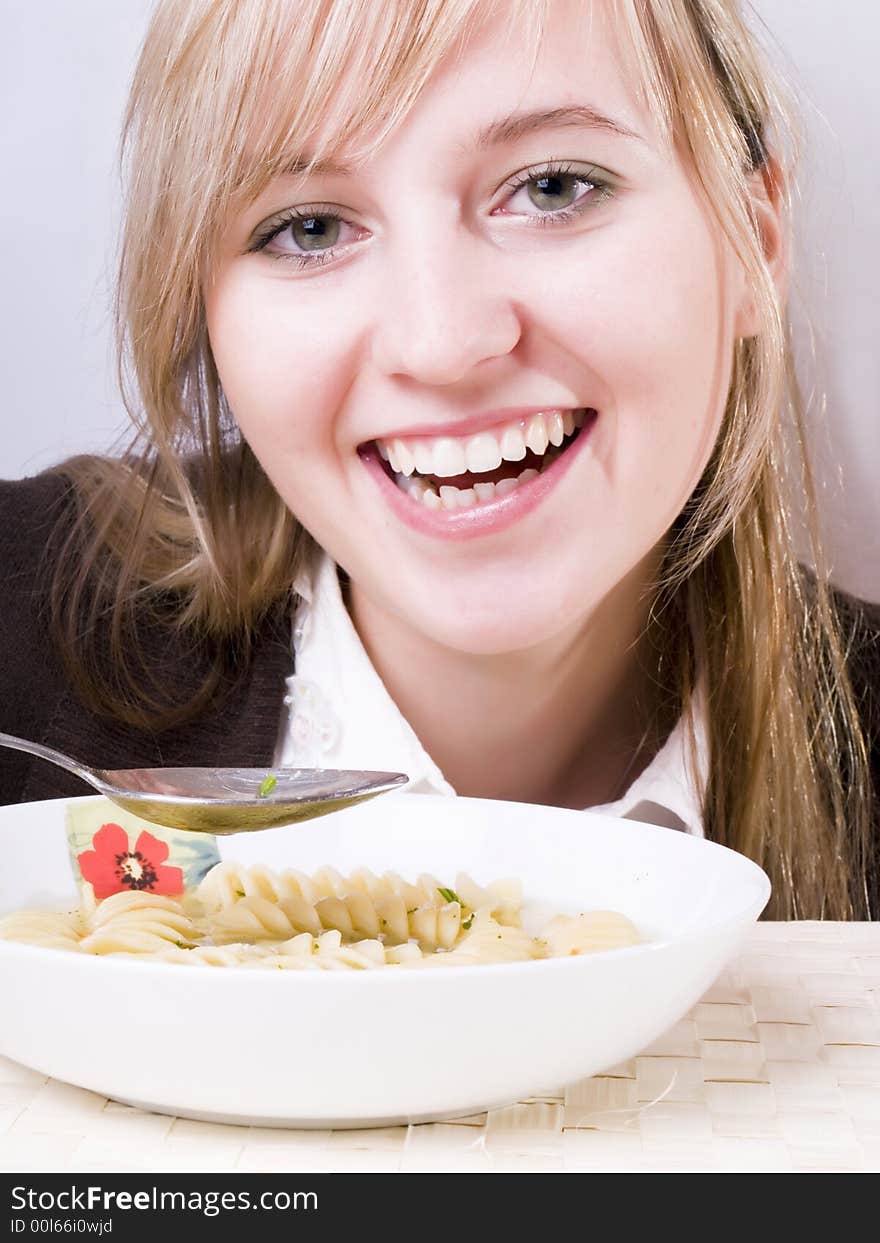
x=184, y=525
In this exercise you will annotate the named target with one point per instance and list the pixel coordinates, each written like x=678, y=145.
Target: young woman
x=459, y=347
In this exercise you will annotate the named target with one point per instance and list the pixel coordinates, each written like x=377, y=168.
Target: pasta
x=257, y=903
x=253, y=917
x=56, y=929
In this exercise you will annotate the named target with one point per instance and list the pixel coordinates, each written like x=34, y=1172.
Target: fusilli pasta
x=257, y=918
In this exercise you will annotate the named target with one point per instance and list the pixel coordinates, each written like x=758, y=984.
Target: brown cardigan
x=37, y=703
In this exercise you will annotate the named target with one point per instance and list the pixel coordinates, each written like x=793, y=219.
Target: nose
x=442, y=314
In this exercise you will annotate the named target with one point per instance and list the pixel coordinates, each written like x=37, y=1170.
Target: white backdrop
x=64, y=70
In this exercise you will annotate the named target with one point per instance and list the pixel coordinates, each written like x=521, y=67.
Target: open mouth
x=464, y=473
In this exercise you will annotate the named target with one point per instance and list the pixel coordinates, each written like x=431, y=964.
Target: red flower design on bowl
x=112, y=866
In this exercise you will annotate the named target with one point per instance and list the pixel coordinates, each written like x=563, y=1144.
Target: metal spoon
x=222, y=800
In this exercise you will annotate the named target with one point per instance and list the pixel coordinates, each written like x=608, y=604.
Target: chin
x=495, y=629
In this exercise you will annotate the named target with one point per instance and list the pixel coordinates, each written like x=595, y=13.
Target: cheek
x=278, y=362
x=649, y=315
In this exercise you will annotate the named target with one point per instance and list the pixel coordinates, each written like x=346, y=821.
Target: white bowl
x=378, y=1048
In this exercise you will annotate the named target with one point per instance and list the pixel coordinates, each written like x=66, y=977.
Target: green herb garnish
x=449, y=895
x=267, y=785
x=466, y=923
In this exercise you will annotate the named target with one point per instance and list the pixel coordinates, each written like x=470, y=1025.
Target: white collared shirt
x=340, y=715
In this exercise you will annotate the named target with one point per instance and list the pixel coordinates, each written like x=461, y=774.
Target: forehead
x=502, y=72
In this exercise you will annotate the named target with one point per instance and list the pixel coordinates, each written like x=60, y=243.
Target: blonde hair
x=186, y=526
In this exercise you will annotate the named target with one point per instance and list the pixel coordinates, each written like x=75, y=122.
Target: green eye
x=545, y=191
x=315, y=232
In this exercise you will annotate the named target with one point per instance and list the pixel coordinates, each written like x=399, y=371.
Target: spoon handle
x=54, y=757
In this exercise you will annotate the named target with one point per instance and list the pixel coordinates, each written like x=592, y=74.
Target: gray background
x=64, y=70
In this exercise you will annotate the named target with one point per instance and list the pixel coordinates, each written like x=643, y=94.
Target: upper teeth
x=446, y=456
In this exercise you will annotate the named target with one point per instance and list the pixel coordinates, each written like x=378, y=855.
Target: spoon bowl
x=222, y=800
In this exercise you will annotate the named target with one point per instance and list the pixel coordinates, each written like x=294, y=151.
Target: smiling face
x=478, y=288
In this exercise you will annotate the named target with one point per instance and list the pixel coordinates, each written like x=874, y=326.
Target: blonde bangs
x=253, y=89
x=344, y=79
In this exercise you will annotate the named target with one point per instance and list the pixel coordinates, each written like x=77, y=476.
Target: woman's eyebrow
x=582, y=116
x=302, y=164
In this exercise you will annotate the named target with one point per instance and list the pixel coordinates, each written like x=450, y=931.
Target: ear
x=767, y=190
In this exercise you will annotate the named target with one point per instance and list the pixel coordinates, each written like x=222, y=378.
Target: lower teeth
x=452, y=498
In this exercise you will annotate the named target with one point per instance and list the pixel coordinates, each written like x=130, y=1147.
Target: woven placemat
x=777, y=1068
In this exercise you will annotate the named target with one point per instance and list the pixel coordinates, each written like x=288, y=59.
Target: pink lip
x=483, y=519
x=471, y=424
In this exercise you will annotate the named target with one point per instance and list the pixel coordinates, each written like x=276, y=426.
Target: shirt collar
x=341, y=715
